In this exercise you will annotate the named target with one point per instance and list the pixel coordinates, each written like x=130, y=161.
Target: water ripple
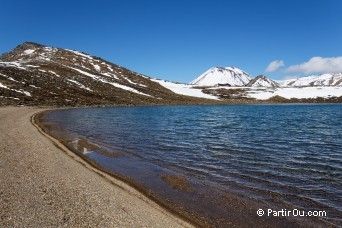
x=290, y=154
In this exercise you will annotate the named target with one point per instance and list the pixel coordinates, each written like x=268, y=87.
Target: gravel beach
x=43, y=184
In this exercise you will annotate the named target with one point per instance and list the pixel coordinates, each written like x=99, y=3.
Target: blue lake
x=286, y=156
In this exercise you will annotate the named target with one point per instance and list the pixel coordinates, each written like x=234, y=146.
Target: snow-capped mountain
x=235, y=77
x=229, y=76
x=227, y=85
x=262, y=81
x=39, y=75
x=334, y=79
x=34, y=74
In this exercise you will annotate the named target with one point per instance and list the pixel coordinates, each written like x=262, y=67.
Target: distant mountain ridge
x=333, y=79
x=233, y=76
x=34, y=74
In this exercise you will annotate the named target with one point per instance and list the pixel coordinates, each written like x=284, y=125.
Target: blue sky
x=180, y=39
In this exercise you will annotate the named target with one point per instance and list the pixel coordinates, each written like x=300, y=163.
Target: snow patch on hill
x=12, y=64
x=15, y=90
x=299, y=93
x=80, y=54
x=28, y=52
x=184, y=89
x=260, y=93
x=97, y=78
x=79, y=84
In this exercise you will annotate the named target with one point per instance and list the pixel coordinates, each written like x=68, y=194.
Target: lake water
x=278, y=156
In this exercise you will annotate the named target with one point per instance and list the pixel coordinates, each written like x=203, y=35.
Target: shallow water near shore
x=209, y=160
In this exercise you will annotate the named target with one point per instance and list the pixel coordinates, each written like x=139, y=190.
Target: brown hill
x=34, y=74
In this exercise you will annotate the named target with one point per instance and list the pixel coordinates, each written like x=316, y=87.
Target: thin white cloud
x=289, y=77
x=274, y=66
x=317, y=65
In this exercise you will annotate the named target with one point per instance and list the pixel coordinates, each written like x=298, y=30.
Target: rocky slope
x=262, y=81
x=34, y=74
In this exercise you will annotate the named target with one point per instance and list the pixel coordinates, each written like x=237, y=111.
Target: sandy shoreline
x=42, y=186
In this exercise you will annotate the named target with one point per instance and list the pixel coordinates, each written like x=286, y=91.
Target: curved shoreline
x=43, y=187
x=113, y=178
x=240, y=213
x=143, y=193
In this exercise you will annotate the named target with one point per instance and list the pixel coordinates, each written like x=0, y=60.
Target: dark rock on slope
x=262, y=81
x=33, y=74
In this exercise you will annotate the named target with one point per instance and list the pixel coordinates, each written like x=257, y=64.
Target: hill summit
x=230, y=76
x=34, y=74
